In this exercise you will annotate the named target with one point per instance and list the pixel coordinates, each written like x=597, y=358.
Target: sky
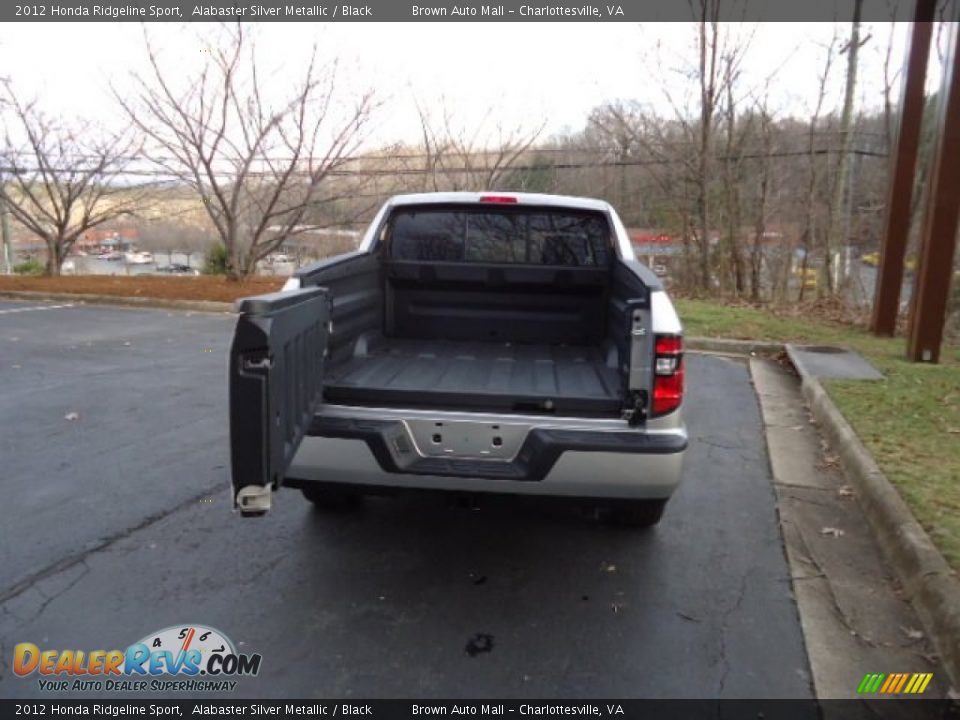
x=521, y=74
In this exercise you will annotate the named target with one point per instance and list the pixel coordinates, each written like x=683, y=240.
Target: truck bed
x=479, y=376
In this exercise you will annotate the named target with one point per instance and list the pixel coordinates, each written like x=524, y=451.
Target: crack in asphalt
x=720, y=445
x=69, y=561
x=47, y=599
x=725, y=664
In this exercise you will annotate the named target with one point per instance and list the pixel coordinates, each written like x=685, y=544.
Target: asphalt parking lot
x=116, y=523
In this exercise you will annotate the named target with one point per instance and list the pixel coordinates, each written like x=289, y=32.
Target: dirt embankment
x=205, y=287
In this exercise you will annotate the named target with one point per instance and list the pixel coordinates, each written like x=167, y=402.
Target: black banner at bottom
x=892, y=708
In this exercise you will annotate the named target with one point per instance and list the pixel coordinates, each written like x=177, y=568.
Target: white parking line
x=10, y=311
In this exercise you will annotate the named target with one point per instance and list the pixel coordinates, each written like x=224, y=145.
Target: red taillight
x=668, y=374
x=497, y=199
x=669, y=345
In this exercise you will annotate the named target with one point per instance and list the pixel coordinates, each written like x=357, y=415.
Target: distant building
x=100, y=240
x=648, y=245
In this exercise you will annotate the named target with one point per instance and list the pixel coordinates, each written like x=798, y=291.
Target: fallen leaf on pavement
x=912, y=633
x=828, y=461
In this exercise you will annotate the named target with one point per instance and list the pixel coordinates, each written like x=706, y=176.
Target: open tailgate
x=276, y=384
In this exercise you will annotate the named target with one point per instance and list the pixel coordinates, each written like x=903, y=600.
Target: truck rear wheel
x=330, y=500
x=634, y=513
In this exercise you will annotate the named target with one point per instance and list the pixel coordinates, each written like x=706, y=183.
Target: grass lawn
x=910, y=421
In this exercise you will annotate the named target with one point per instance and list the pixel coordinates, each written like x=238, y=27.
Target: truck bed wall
x=486, y=303
x=356, y=287
x=498, y=303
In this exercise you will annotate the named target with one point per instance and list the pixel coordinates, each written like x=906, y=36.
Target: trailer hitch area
x=253, y=500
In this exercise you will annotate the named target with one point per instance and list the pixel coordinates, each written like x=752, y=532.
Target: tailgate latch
x=635, y=408
x=253, y=500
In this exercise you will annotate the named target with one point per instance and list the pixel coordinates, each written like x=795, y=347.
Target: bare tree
x=457, y=157
x=735, y=138
x=719, y=57
x=835, y=226
x=617, y=124
x=60, y=181
x=813, y=180
x=762, y=200
x=709, y=77
x=259, y=166
x=890, y=77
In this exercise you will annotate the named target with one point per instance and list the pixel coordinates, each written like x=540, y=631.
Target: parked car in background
x=139, y=257
x=177, y=269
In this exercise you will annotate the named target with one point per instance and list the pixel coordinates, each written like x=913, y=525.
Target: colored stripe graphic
x=891, y=681
x=894, y=683
x=903, y=681
x=871, y=682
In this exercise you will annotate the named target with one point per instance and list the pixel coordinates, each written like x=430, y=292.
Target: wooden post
x=903, y=163
x=941, y=216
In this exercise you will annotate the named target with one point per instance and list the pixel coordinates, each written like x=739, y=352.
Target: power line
x=391, y=172
x=375, y=155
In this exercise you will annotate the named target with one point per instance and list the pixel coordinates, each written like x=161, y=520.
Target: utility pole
x=941, y=216
x=903, y=164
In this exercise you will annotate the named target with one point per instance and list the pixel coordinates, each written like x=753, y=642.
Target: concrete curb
x=138, y=302
x=931, y=586
x=736, y=347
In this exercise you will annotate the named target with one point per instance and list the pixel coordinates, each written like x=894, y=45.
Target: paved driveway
x=117, y=524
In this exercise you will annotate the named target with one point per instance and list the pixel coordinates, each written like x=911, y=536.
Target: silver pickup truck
x=481, y=343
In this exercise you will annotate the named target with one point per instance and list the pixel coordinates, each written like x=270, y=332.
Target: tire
x=634, y=513
x=328, y=500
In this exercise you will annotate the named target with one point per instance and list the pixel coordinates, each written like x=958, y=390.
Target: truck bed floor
x=476, y=375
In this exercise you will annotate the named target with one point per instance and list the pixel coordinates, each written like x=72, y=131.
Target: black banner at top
x=436, y=11
x=490, y=709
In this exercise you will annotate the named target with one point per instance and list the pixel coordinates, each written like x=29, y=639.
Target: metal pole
x=903, y=163
x=941, y=216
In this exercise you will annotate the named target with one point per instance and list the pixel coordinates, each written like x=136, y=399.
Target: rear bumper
x=550, y=461
x=396, y=451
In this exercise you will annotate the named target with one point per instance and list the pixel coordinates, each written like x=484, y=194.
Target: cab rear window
x=522, y=236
